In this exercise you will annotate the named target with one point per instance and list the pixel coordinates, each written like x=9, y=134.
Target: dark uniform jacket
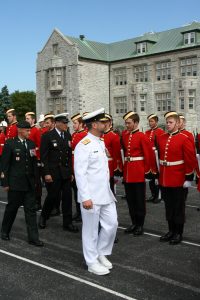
x=18, y=165
x=56, y=155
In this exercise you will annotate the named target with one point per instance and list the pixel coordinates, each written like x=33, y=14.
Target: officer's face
x=130, y=124
x=152, y=123
x=100, y=127
x=24, y=132
x=172, y=124
x=61, y=126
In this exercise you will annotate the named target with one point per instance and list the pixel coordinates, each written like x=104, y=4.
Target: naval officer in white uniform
x=94, y=194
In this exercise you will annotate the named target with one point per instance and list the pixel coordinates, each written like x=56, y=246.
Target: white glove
x=156, y=182
x=187, y=184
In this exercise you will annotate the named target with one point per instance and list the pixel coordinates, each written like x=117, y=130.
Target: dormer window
x=55, y=49
x=189, y=38
x=141, y=47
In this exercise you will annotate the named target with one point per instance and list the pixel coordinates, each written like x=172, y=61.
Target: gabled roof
x=160, y=42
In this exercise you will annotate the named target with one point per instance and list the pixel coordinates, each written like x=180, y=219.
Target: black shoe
x=166, y=237
x=42, y=222
x=5, y=236
x=71, y=228
x=129, y=229
x=151, y=199
x=156, y=201
x=37, y=243
x=77, y=217
x=55, y=212
x=138, y=230
x=176, y=239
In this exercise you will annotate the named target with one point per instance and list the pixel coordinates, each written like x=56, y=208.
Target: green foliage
x=5, y=102
x=23, y=102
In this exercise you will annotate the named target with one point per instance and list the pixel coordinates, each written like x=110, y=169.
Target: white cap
x=96, y=115
x=41, y=118
x=4, y=123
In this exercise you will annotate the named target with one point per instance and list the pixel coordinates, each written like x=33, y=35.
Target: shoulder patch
x=86, y=141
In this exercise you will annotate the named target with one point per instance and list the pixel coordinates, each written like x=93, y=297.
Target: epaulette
x=86, y=141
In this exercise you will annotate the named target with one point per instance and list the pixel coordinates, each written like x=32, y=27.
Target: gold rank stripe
x=86, y=141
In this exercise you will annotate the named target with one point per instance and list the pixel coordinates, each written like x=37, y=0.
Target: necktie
x=62, y=135
x=24, y=143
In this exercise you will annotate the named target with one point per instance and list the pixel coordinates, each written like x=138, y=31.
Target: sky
x=25, y=27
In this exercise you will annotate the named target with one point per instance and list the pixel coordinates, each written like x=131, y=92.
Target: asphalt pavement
x=143, y=268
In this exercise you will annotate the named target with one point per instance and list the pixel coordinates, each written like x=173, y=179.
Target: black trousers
x=135, y=195
x=54, y=189
x=15, y=200
x=38, y=185
x=75, y=191
x=154, y=188
x=174, y=198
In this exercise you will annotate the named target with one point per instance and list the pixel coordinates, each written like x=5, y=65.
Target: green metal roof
x=157, y=43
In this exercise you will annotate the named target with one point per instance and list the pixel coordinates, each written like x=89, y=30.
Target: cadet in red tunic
x=152, y=135
x=35, y=136
x=11, y=130
x=182, y=124
x=78, y=134
x=113, y=148
x=177, y=165
x=139, y=164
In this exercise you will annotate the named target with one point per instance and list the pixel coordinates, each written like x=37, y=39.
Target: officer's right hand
x=88, y=204
x=6, y=188
x=48, y=178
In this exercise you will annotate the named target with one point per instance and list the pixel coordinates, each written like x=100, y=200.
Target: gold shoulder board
x=86, y=141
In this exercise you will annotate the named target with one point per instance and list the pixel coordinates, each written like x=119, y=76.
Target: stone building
x=153, y=73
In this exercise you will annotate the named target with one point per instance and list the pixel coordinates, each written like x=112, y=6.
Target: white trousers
x=97, y=242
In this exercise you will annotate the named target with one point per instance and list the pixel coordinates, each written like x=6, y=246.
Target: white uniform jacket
x=92, y=172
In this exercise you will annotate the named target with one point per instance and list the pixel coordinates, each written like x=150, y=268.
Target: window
x=191, y=99
x=55, y=49
x=120, y=105
x=57, y=105
x=140, y=73
x=143, y=98
x=134, y=103
x=120, y=76
x=181, y=100
x=163, y=101
x=163, y=70
x=141, y=47
x=188, y=66
x=55, y=79
x=189, y=38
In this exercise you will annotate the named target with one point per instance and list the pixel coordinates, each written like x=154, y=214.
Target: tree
x=23, y=102
x=5, y=102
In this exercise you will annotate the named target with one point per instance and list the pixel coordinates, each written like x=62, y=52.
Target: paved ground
x=144, y=268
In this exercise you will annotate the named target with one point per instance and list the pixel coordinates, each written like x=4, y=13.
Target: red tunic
x=113, y=147
x=2, y=142
x=35, y=136
x=11, y=131
x=43, y=130
x=137, y=146
x=152, y=135
x=77, y=136
x=178, y=149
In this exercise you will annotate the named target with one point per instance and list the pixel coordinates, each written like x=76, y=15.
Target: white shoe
x=105, y=262
x=98, y=269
